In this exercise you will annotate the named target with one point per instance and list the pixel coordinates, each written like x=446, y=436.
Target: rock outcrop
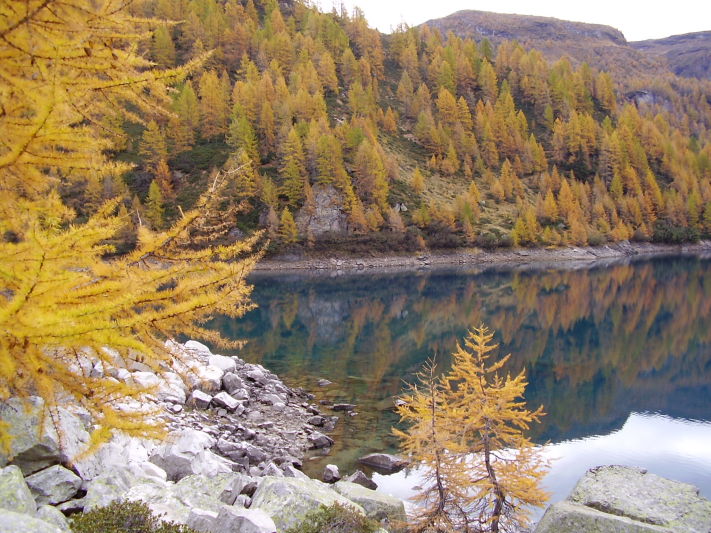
x=628, y=500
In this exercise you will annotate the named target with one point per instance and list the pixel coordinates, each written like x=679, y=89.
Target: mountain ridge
x=602, y=46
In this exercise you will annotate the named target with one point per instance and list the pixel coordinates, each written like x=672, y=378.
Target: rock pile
x=231, y=461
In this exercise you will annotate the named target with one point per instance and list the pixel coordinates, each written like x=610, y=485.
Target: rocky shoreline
x=231, y=462
x=237, y=436
x=317, y=263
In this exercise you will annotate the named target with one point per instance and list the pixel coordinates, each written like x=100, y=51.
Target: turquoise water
x=618, y=353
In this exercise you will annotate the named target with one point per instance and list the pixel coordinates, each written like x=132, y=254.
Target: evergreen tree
x=155, y=212
x=481, y=472
x=293, y=168
x=287, y=227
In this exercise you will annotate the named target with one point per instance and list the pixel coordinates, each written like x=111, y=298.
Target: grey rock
x=272, y=470
x=324, y=383
x=377, y=505
x=231, y=492
x=231, y=382
x=619, y=498
x=316, y=420
x=361, y=479
x=35, y=446
x=567, y=517
x=233, y=519
x=319, y=440
x=343, y=407
x=291, y=471
x=189, y=454
x=222, y=399
x=384, y=461
x=255, y=455
x=12, y=522
x=325, y=215
x=52, y=515
x=200, y=399
x=331, y=474
x=206, y=378
x=240, y=394
x=226, y=364
x=53, y=485
x=171, y=389
x=14, y=494
x=243, y=501
x=202, y=520
x=286, y=500
x=114, y=482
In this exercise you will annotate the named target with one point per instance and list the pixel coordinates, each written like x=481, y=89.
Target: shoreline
x=330, y=263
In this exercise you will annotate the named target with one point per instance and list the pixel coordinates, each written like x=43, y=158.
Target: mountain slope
x=688, y=55
x=602, y=47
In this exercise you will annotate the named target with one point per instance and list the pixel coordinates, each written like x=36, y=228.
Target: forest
x=419, y=139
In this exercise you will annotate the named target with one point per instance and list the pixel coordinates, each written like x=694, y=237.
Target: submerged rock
x=384, y=461
x=628, y=499
x=378, y=506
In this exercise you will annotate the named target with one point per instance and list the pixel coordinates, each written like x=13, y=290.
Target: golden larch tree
x=479, y=418
x=67, y=67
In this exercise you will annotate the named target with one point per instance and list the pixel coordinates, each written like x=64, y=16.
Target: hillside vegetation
x=413, y=140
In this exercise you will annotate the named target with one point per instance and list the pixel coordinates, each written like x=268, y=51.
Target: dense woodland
x=482, y=146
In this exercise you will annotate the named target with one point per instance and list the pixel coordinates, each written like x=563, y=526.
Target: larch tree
x=66, y=67
x=482, y=473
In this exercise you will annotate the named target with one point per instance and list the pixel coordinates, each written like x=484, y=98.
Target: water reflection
x=673, y=448
x=598, y=343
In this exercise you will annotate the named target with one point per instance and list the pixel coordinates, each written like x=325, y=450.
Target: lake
x=618, y=353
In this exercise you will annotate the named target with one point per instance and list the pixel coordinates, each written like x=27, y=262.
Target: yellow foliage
x=68, y=70
x=481, y=471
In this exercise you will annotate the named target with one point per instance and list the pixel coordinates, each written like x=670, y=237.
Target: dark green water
x=615, y=352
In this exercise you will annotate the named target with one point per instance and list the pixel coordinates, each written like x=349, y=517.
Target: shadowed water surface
x=618, y=353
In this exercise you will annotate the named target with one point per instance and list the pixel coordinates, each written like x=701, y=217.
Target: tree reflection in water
x=598, y=341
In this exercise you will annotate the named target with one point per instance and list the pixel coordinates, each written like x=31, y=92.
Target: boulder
x=201, y=520
x=343, y=407
x=233, y=519
x=361, y=479
x=231, y=492
x=620, y=498
x=226, y=364
x=205, y=378
x=14, y=494
x=35, y=442
x=116, y=481
x=319, y=440
x=190, y=454
x=12, y=522
x=200, y=399
x=231, y=382
x=384, y=461
x=198, y=348
x=222, y=399
x=172, y=389
x=53, y=485
x=291, y=471
x=54, y=516
x=287, y=500
x=377, y=505
x=331, y=474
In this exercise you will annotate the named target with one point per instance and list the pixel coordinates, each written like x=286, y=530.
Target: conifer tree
x=481, y=471
x=154, y=147
x=418, y=181
x=163, y=49
x=293, y=168
x=287, y=227
x=154, y=206
x=88, y=303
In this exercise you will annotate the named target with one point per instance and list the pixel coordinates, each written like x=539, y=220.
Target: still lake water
x=619, y=353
